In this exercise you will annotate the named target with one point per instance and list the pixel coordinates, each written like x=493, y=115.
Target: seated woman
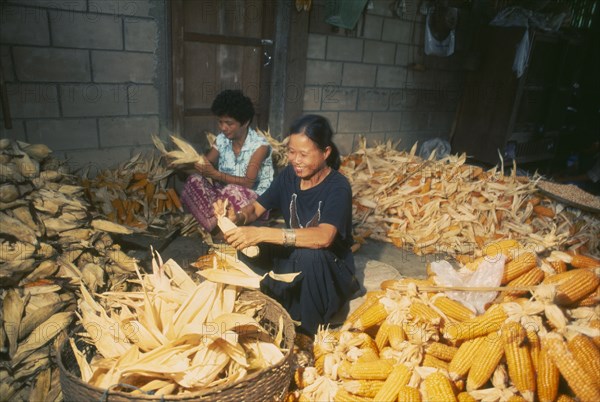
x=316, y=203
x=241, y=167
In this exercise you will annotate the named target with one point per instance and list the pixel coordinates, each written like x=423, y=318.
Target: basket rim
x=204, y=393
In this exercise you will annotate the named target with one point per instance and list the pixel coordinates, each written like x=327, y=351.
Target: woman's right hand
x=221, y=207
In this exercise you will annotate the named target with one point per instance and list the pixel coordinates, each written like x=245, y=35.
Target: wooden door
x=217, y=45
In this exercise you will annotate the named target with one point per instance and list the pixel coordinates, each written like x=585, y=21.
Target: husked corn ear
x=367, y=342
x=344, y=396
x=534, y=347
x=565, y=398
x=579, y=380
x=532, y=277
x=373, y=315
x=587, y=355
x=490, y=321
x=544, y=211
x=373, y=370
x=422, y=312
x=370, y=299
x=382, y=335
x=441, y=351
x=453, y=309
x=399, y=376
x=558, y=265
x=473, y=264
x=438, y=388
x=319, y=363
x=343, y=370
x=365, y=388
x=522, y=263
x=396, y=336
x=368, y=355
x=518, y=359
x=595, y=324
x=464, y=357
x=547, y=379
x=432, y=361
x=591, y=300
x=488, y=357
x=584, y=261
x=516, y=398
x=573, y=285
x=465, y=397
x=505, y=247
x=400, y=283
x=408, y=394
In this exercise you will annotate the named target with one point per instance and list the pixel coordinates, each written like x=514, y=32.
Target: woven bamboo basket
x=270, y=384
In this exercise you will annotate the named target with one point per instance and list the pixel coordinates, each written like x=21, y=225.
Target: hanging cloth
x=344, y=13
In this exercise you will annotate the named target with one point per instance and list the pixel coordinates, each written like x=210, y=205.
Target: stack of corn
x=49, y=245
x=175, y=336
x=449, y=207
x=411, y=341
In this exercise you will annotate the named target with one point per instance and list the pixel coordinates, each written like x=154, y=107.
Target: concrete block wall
x=365, y=81
x=85, y=77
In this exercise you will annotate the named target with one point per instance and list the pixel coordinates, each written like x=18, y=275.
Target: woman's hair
x=317, y=128
x=233, y=103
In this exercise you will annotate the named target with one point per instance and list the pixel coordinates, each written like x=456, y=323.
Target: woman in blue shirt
x=316, y=203
x=240, y=163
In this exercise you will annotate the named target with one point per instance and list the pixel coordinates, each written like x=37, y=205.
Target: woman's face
x=304, y=155
x=232, y=128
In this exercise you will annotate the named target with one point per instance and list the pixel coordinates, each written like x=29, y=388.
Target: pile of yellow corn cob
x=174, y=336
x=449, y=207
x=50, y=243
x=410, y=341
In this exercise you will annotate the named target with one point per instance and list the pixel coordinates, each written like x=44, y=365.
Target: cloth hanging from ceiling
x=344, y=13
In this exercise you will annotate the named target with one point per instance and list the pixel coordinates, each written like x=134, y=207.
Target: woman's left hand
x=243, y=236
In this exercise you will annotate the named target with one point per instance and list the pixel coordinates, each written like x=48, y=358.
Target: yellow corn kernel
x=365, y=388
x=438, y=388
x=516, y=398
x=343, y=370
x=375, y=314
x=595, y=324
x=518, y=359
x=319, y=364
x=382, y=336
x=367, y=342
x=584, y=261
x=505, y=247
x=441, y=351
x=422, y=312
x=587, y=355
x=432, y=361
x=573, y=285
x=591, y=300
x=518, y=266
x=464, y=357
x=399, y=376
x=373, y=370
x=534, y=347
x=532, y=277
x=344, y=396
x=453, y=309
x=488, y=357
x=547, y=378
x=465, y=397
x=580, y=382
x=370, y=299
x=558, y=265
x=396, y=336
x=490, y=321
x=565, y=398
x=409, y=394
x=368, y=355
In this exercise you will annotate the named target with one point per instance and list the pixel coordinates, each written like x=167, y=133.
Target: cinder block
x=143, y=99
x=339, y=98
x=441, y=121
x=341, y=48
x=83, y=100
x=110, y=66
x=86, y=30
x=374, y=139
x=312, y=98
x=121, y=131
x=372, y=27
x=316, y=46
x=51, y=64
x=405, y=98
x=354, y=122
x=6, y=64
x=358, y=75
x=24, y=26
x=64, y=134
x=345, y=143
x=373, y=99
x=96, y=160
x=69, y=5
x=386, y=121
x=398, y=31
x=32, y=100
x=16, y=132
x=379, y=52
x=406, y=54
x=323, y=72
x=332, y=117
x=141, y=35
x=126, y=8
x=391, y=77
x=413, y=120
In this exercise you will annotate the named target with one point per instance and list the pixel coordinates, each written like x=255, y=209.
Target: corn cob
x=595, y=324
x=432, y=361
x=368, y=355
x=441, y=351
x=518, y=266
x=465, y=397
x=396, y=336
x=489, y=355
x=464, y=357
x=344, y=396
x=578, y=379
x=544, y=211
x=382, y=336
x=319, y=363
x=505, y=247
x=373, y=370
x=573, y=285
x=367, y=342
x=534, y=347
x=586, y=354
x=399, y=376
x=516, y=398
x=547, y=378
x=518, y=359
x=365, y=388
x=422, y=312
x=565, y=398
x=438, y=388
x=343, y=370
x=558, y=265
x=490, y=321
x=584, y=261
x=408, y=394
x=532, y=277
x=370, y=299
x=453, y=309
x=590, y=300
